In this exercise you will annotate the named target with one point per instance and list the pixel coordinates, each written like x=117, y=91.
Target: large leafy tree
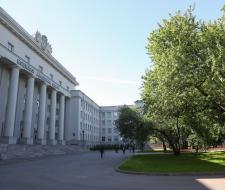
x=184, y=89
x=132, y=127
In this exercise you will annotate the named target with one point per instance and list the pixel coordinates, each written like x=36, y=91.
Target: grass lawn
x=187, y=162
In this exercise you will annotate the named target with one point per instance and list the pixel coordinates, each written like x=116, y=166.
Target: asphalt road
x=86, y=171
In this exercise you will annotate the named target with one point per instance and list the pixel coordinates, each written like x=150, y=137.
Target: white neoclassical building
x=35, y=89
x=38, y=100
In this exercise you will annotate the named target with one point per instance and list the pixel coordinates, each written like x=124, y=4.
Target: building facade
x=84, y=119
x=35, y=89
x=38, y=100
x=108, y=116
x=91, y=124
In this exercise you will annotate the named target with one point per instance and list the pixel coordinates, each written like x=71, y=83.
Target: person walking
x=102, y=151
x=133, y=148
x=124, y=149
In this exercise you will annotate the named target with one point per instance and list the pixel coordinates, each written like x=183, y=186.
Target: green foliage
x=184, y=89
x=196, y=142
x=132, y=127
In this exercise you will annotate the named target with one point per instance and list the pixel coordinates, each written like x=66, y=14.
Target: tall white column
x=61, y=118
x=41, y=116
x=52, y=118
x=11, y=106
x=28, y=111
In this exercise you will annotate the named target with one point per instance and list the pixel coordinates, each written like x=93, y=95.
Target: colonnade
x=9, y=127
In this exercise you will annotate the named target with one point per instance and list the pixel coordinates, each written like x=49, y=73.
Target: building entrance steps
x=15, y=151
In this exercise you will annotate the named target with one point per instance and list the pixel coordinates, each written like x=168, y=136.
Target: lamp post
x=83, y=137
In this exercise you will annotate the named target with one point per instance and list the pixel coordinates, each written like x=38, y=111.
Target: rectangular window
x=115, y=114
x=109, y=122
x=48, y=121
x=103, y=122
x=109, y=130
x=103, y=114
x=103, y=130
x=10, y=47
x=103, y=139
x=116, y=139
x=108, y=114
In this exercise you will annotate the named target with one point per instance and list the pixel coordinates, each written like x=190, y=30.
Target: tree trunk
x=196, y=149
x=178, y=133
x=164, y=146
x=176, y=150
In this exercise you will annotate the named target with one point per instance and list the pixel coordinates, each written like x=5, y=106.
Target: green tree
x=132, y=127
x=183, y=90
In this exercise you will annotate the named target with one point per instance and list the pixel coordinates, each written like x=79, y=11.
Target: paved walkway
x=86, y=171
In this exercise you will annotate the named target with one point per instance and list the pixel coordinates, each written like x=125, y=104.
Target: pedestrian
x=130, y=147
x=102, y=151
x=124, y=149
x=133, y=148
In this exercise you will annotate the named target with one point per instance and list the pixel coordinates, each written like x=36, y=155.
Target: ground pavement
x=86, y=171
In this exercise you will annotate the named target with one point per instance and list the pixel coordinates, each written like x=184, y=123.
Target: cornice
x=23, y=35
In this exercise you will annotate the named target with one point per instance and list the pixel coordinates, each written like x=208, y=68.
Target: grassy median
x=185, y=163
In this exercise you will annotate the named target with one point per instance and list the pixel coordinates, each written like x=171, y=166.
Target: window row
x=87, y=127
x=89, y=108
x=107, y=122
x=88, y=117
x=109, y=114
x=109, y=130
x=109, y=139
x=88, y=137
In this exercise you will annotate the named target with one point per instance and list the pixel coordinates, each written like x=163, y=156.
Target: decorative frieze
x=42, y=40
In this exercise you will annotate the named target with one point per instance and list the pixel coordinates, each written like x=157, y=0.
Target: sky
x=102, y=42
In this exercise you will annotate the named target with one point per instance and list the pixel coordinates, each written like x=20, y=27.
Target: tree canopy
x=184, y=90
x=132, y=127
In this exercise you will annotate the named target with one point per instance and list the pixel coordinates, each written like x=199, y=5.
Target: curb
x=171, y=174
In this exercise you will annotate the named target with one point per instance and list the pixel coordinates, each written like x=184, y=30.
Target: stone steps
x=31, y=151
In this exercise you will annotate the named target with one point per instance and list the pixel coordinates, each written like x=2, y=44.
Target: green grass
x=185, y=163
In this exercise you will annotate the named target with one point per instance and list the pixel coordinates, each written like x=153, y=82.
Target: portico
x=26, y=128
x=33, y=87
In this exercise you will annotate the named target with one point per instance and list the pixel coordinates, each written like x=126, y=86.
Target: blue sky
x=102, y=42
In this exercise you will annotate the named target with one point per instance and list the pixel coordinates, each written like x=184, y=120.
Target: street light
x=83, y=137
